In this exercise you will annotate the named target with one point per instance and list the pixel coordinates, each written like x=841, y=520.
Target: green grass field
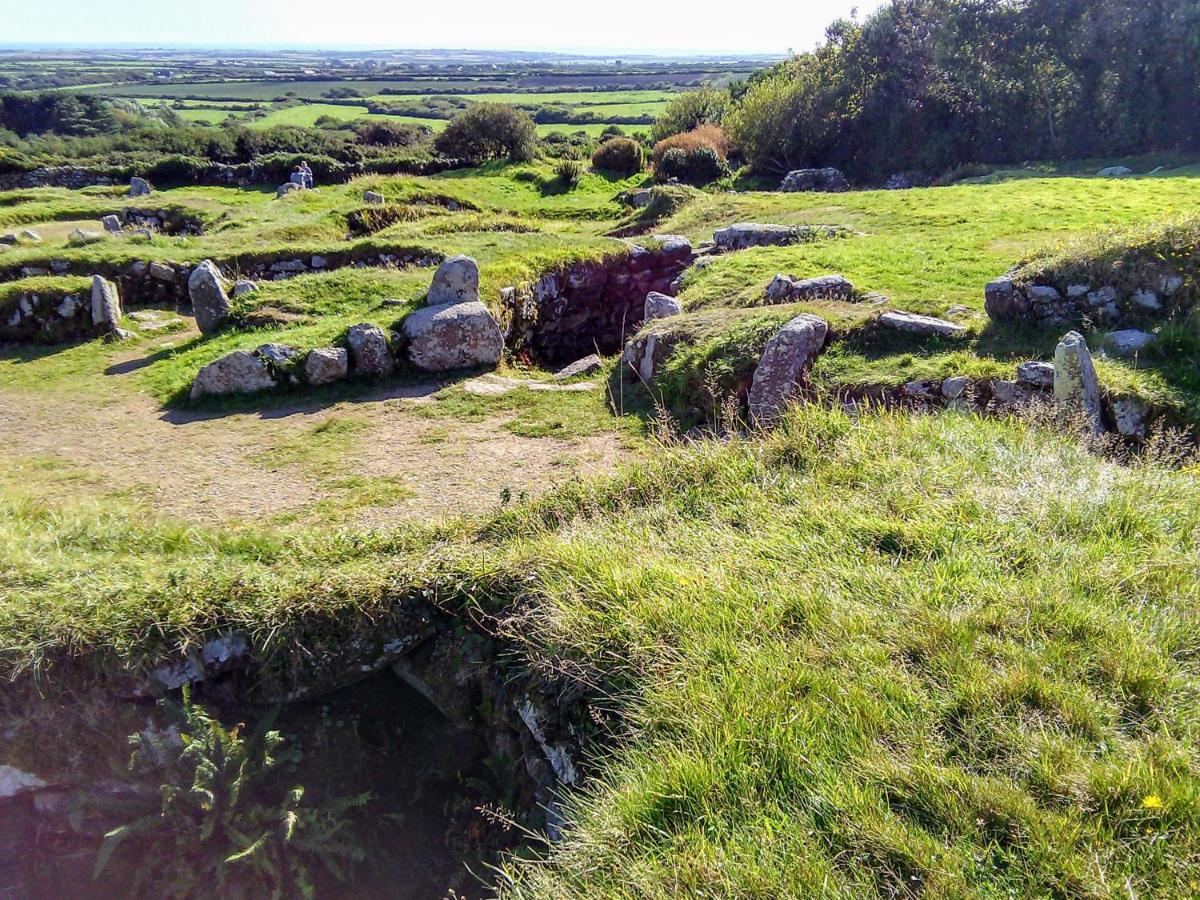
x=870, y=655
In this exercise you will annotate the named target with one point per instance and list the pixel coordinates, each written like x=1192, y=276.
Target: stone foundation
x=590, y=307
x=47, y=317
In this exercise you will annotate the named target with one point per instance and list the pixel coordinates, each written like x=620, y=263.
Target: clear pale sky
x=571, y=25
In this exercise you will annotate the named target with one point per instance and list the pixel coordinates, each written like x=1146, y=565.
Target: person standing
x=307, y=173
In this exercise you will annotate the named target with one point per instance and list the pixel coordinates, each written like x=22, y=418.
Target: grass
x=885, y=656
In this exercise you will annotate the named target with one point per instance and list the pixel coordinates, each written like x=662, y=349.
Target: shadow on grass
x=406, y=385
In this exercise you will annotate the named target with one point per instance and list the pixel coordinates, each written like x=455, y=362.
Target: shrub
x=178, y=169
x=619, y=155
x=696, y=157
x=688, y=111
x=568, y=172
x=278, y=167
x=489, y=131
x=612, y=131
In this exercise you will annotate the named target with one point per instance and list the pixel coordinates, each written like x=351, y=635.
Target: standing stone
x=373, y=197
x=106, y=305
x=138, y=187
x=455, y=281
x=111, y=223
x=210, y=303
x=326, y=365
x=1075, y=382
x=660, y=306
x=786, y=356
x=370, y=356
x=453, y=336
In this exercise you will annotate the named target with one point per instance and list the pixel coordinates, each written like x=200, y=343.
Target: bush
x=696, y=157
x=568, y=172
x=489, y=131
x=688, y=111
x=619, y=155
x=612, y=131
x=178, y=169
x=278, y=167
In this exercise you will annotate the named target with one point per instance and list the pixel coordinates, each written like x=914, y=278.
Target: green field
x=869, y=654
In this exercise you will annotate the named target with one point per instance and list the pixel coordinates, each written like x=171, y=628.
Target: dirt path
x=372, y=461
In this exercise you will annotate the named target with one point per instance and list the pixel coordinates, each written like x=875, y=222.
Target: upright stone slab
x=1075, y=382
x=786, y=356
x=106, y=305
x=374, y=198
x=453, y=336
x=210, y=303
x=111, y=223
x=370, y=356
x=455, y=281
x=139, y=187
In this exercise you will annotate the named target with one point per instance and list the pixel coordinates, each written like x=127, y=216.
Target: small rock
x=160, y=271
x=453, y=336
x=374, y=198
x=660, y=306
x=958, y=311
x=210, y=303
x=1169, y=284
x=370, y=356
x=455, y=281
x=828, y=180
x=1115, y=172
x=787, y=356
x=915, y=324
x=1004, y=391
x=8, y=239
x=585, y=366
x=112, y=224
x=953, y=388
x=278, y=356
x=80, y=238
x=240, y=372
x=139, y=187
x=326, y=365
x=1038, y=375
x=32, y=236
x=284, y=189
x=242, y=287
x=117, y=335
x=1075, y=291
x=1127, y=343
x=317, y=262
x=1146, y=299
x=1075, y=382
x=1102, y=297
x=638, y=199
x=1129, y=416
x=1003, y=302
x=1042, y=293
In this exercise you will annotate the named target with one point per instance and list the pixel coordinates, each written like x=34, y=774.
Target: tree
x=489, y=131
x=683, y=113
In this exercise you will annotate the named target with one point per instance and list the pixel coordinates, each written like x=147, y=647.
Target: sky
x=698, y=26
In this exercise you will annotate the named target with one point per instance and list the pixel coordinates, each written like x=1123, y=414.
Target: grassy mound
x=889, y=656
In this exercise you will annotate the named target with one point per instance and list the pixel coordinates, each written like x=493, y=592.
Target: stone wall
x=155, y=283
x=172, y=222
x=590, y=306
x=1054, y=303
x=46, y=317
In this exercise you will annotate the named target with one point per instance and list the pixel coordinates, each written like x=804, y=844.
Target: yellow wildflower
x=1153, y=801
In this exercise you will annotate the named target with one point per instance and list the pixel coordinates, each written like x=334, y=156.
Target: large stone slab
x=787, y=355
x=453, y=336
x=139, y=187
x=240, y=372
x=1075, y=383
x=829, y=180
x=106, y=305
x=915, y=324
x=751, y=234
x=210, y=302
x=786, y=289
x=455, y=281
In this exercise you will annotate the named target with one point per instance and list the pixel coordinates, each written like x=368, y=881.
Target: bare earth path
x=372, y=461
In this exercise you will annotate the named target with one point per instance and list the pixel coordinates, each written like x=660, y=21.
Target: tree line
x=928, y=85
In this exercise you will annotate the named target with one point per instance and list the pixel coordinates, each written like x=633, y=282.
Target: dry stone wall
x=590, y=306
